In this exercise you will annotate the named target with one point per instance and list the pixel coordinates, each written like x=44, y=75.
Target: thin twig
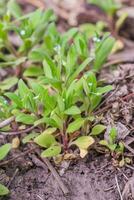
x=118, y=61
x=18, y=132
x=122, y=173
x=55, y=174
x=118, y=187
x=129, y=148
x=110, y=188
x=130, y=167
x=6, y=122
x=12, y=178
x=20, y=155
x=104, y=109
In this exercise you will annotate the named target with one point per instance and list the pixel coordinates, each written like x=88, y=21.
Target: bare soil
x=89, y=179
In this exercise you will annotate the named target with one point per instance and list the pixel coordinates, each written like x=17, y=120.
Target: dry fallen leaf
x=15, y=143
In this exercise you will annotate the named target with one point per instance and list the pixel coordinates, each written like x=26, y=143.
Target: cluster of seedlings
x=53, y=87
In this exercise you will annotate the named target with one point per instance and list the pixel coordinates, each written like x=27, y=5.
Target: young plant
x=29, y=31
x=59, y=92
x=112, y=143
x=109, y=6
x=61, y=102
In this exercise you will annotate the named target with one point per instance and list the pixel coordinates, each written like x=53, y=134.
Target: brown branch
x=54, y=173
x=6, y=122
x=17, y=132
x=20, y=155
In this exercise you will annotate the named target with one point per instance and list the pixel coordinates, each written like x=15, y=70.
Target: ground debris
x=128, y=191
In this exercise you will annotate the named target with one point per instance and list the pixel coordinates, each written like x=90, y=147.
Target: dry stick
x=110, y=188
x=118, y=187
x=130, y=167
x=110, y=103
x=13, y=177
x=129, y=148
x=6, y=122
x=55, y=174
x=18, y=132
x=117, y=61
x=20, y=155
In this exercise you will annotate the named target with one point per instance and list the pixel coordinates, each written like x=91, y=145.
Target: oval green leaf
x=51, y=151
x=4, y=150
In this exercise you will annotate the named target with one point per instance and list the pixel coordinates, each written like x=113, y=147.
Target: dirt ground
x=86, y=180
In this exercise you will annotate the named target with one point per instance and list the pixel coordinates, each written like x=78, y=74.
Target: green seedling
x=109, y=6
x=112, y=143
x=58, y=92
x=62, y=101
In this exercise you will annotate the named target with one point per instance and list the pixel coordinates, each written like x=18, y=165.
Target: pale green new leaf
x=74, y=110
x=52, y=151
x=98, y=129
x=3, y=190
x=75, y=125
x=29, y=137
x=79, y=69
x=103, y=51
x=103, y=90
x=4, y=150
x=84, y=142
x=25, y=118
x=8, y=83
x=45, y=140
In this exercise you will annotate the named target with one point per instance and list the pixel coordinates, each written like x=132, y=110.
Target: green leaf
x=14, y=98
x=36, y=55
x=25, y=118
x=14, y=8
x=50, y=69
x=4, y=150
x=45, y=140
x=23, y=89
x=49, y=131
x=84, y=142
x=61, y=103
x=98, y=129
x=71, y=59
x=51, y=151
x=113, y=135
x=46, y=120
x=29, y=137
x=33, y=71
x=74, y=110
x=3, y=190
x=79, y=69
x=103, y=142
x=103, y=90
x=95, y=100
x=112, y=147
x=109, y=6
x=103, y=51
x=47, y=69
x=8, y=83
x=92, y=82
x=75, y=125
